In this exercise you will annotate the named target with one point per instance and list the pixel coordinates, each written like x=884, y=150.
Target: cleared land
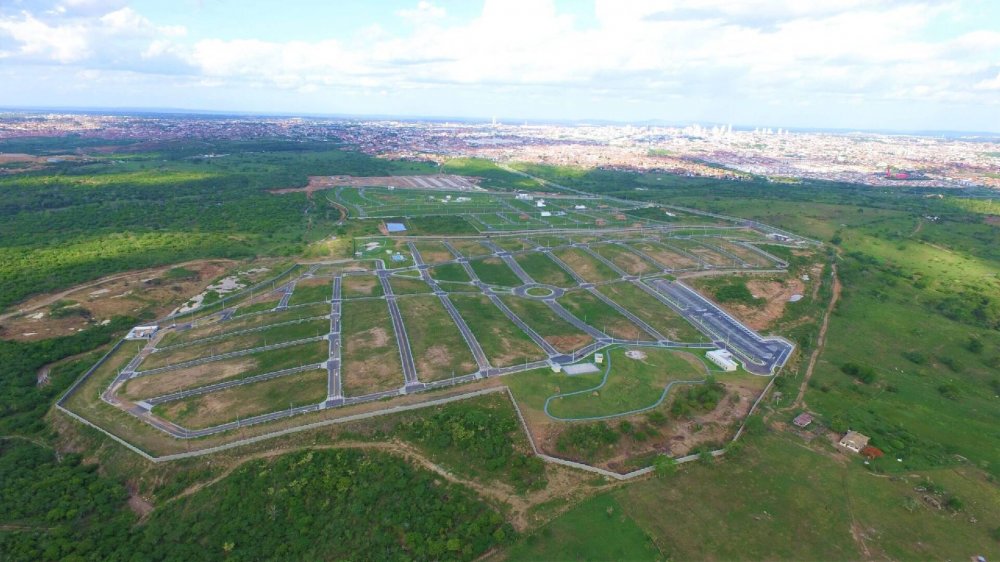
x=370, y=357
x=354, y=286
x=542, y=269
x=433, y=251
x=248, y=400
x=439, y=350
x=311, y=291
x=217, y=328
x=494, y=271
x=469, y=248
x=450, y=272
x=585, y=265
x=503, y=342
x=269, y=336
x=405, y=286
x=559, y=333
x=602, y=316
x=652, y=311
x=665, y=256
x=227, y=369
x=629, y=262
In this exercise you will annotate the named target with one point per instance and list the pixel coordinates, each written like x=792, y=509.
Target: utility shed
x=722, y=358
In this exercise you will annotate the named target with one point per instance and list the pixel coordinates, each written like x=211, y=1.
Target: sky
x=852, y=64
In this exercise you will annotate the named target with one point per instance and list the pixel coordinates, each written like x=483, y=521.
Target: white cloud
x=424, y=13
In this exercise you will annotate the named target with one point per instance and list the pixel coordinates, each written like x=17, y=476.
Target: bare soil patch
x=446, y=182
x=172, y=381
x=96, y=302
x=359, y=285
x=666, y=257
x=566, y=343
x=775, y=295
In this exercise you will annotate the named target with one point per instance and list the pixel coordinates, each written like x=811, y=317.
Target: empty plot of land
x=450, y=272
x=439, y=350
x=629, y=262
x=353, y=286
x=317, y=289
x=559, y=333
x=494, y=271
x=227, y=369
x=217, y=328
x=512, y=243
x=746, y=254
x=239, y=402
x=436, y=182
x=408, y=286
x=602, y=316
x=540, y=267
x=269, y=336
x=433, y=251
x=652, y=311
x=259, y=303
x=586, y=266
x=370, y=356
x=665, y=256
x=502, y=341
x=470, y=248
x=709, y=255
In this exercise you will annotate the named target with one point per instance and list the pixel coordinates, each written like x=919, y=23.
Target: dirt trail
x=820, y=340
x=559, y=484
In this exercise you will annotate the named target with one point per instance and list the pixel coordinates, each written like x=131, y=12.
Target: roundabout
x=538, y=291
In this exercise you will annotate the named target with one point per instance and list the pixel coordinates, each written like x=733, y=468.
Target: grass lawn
x=370, y=355
x=227, y=405
x=438, y=347
x=503, y=342
x=226, y=369
x=632, y=384
x=559, y=333
x=353, y=286
x=277, y=334
x=542, y=269
x=495, y=272
x=597, y=529
x=312, y=290
x=586, y=266
x=652, y=311
x=450, y=272
x=602, y=316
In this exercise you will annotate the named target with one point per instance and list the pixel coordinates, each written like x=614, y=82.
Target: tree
x=664, y=465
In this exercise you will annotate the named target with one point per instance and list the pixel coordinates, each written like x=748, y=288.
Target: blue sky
x=861, y=64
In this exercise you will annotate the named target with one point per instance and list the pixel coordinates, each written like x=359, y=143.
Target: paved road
x=402, y=341
x=759, y=355
x=334, y=385
x=289, y=289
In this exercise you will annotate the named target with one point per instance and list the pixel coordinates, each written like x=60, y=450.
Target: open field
x=311, y=291
x=502, y=341
x=217, y=328
x=167, y=382
x=370, y=357
x=361, y=286
x=602, y=316
x=585, y=265
x=559, y=333
x=494, y=271
x=629, y=262
x=439, y=350
x=246, y=400
x=543, y=270
x=433, y=251
x=665, y=256
x=268, y=336
x=450, y=272
x=653, y=312
x=405, y=286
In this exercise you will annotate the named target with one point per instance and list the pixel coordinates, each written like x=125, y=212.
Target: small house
x=854, y=441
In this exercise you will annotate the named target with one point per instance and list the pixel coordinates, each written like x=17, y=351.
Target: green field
x=543, y=270
x=450, y=272
x=311, y=291
x=627, y=261
x=210, y=329
x=601, y=315
x=494, y=271
x=353, y=286
x=269, y=336
x=370, y=356
x=439, y=350
x=404, y=286
x=503, y=342
x=658, y=315
x=559, y=333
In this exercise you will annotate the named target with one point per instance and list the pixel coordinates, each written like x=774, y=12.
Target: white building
x=540, y=203
x=546, y=214
x=524, y=197
x=722, y=358
x=142, y=332
x=579, y=207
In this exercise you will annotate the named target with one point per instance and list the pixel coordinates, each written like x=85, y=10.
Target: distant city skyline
x=873, y=65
